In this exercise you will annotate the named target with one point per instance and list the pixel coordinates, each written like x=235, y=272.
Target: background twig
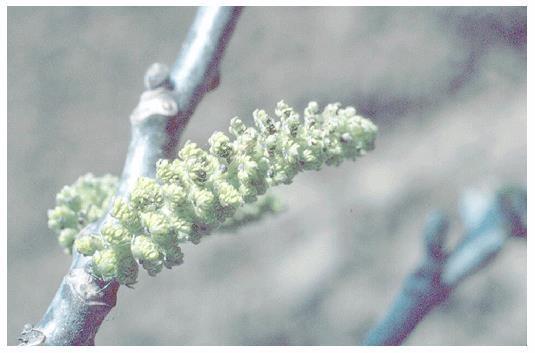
x=489, y=220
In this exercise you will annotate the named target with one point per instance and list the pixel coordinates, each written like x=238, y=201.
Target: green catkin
x=78, y=205
x=203, y=190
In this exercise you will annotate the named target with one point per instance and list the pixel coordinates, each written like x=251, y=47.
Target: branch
x=489, y=219
x=83, y=301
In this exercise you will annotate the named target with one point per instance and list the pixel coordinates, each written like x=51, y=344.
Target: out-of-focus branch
x=489, y=219
x=82, y=301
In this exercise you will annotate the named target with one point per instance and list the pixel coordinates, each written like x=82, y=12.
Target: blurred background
x=446, y=87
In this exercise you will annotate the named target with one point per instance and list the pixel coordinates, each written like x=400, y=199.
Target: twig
x=489, y=219
x=82, y=301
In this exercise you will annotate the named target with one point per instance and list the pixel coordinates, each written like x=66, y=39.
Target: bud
x=66, y=238
x=69, y=198
x=115, y=234
x=146, y=195
x=220, y=145
x=62, y=217
x=88, y=244
x=126, y=215
x=144, y=249
x=105, y=264
x=237, y=127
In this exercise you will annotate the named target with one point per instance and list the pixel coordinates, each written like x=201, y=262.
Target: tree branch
x=489, y=219
x=83, y=301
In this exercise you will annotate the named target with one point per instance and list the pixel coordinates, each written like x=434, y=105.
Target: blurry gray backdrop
x=446, y=87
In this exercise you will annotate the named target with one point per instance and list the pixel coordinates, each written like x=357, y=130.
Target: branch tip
x=435, y=232
x=157, y=75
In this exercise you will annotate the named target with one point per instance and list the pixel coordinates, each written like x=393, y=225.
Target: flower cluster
x=78, y=205
x=201, y=190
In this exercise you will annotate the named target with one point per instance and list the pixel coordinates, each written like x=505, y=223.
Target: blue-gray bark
x=489, y=219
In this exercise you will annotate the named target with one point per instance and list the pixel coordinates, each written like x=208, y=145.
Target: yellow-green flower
x=205, y=189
